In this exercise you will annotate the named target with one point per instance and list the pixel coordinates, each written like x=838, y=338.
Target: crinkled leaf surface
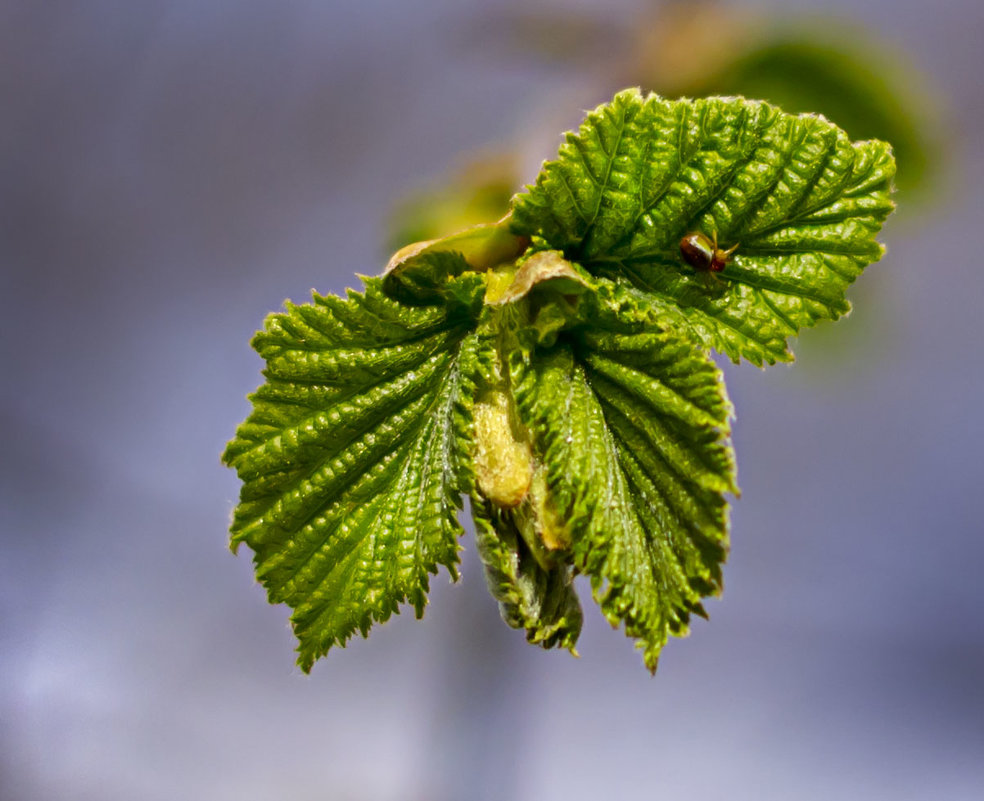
x=567, y=389
x=802, y=202
x=631, y=423
x=350, y=458
x=853, y=80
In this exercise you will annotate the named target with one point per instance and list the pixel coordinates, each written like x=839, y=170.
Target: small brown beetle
x=704, y=255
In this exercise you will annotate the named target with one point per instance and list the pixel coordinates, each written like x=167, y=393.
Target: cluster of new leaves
x=554, y=368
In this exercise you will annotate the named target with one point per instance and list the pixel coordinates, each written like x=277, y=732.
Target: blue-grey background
x=169, y=173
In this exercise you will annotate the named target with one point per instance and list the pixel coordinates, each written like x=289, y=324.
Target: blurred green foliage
x=845, y=80
x=697, y=49
x=478, y=192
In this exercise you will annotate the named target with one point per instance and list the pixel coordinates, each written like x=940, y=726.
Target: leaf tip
x=228, y=455
x=305, y=662
x=651, y=661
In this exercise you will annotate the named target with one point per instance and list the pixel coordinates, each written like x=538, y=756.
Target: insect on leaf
x=554, y=367
x=800, y=203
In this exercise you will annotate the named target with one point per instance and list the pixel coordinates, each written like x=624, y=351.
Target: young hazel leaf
x=554, y=367
x=631, y=423
x=800, y=201
x=350, y=460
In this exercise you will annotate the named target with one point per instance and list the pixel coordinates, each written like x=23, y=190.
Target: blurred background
x=171, y=171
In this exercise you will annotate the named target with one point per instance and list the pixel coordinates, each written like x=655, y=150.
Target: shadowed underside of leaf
x=539, y=599
x=799, y=199
x=350, y=458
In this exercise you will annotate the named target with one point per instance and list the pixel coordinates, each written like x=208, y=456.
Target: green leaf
x=554, y=367
x=537, y=598
x=630, y=422
x=799, y=199
x=351, y=458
